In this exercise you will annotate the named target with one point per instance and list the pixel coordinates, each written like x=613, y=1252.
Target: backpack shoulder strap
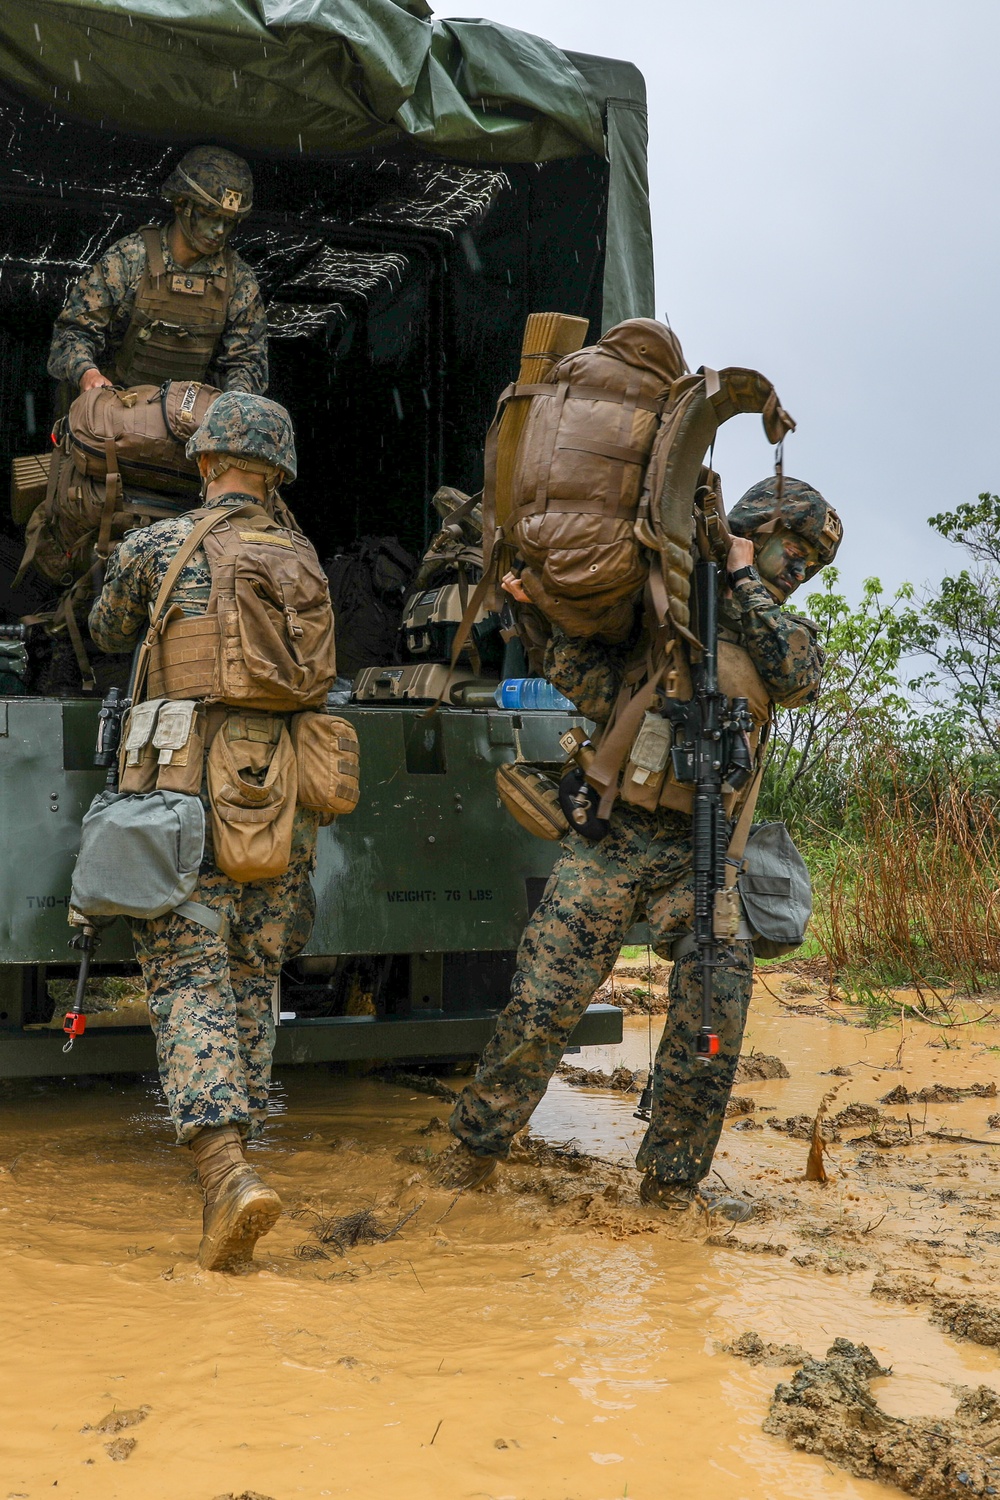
x=155, y=264
x=207, y=520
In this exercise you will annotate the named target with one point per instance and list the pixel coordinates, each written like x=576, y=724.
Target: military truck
x=421, y=187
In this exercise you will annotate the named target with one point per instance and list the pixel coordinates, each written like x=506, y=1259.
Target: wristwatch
x=748, y=572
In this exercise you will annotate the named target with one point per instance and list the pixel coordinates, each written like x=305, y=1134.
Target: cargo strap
x=195, y=911
x=113, y=495
x=66, y=615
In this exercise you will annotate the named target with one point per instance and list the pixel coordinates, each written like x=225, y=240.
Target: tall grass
x=910, y=892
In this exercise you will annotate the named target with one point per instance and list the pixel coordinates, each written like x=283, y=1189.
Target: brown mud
x=546, y=1338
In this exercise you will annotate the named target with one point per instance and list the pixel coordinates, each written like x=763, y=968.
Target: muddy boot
x=460, y=1167
x=680, y=1197
x=672, y=1197
x=239, y=1208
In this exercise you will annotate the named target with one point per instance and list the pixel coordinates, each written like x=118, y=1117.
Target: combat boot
x=239, y=1208
x=459, y=1167
x=681, y=1197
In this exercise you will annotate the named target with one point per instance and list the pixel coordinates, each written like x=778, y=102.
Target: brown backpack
x=139, y=434
x=113, y=438
x=578, y=477
x=266, y=639
x=80, y=519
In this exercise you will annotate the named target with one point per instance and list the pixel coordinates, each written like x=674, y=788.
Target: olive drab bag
x=266, y=638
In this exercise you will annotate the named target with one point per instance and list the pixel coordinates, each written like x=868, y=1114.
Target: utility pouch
x=648, y=760
x=252, y=788
x=137, y=757
x=532, y=800
x=179, y=740
x=328, y=765
x=727, y=914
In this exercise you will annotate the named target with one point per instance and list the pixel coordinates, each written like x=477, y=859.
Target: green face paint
x=784, y=560
x=204, y=231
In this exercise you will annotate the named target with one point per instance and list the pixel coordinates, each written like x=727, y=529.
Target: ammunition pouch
x=649, y=780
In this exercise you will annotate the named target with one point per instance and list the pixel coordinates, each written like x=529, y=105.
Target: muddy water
x=541, y=1340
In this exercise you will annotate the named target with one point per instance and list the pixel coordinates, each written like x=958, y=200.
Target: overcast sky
x=822, y=177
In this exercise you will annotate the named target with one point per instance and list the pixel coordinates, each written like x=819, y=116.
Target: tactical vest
x=176, y=323
x=265, y=641
x=648, y=780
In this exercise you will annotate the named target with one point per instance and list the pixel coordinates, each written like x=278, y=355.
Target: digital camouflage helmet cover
x=800, y=508
x=249, y=428
x=213, y=179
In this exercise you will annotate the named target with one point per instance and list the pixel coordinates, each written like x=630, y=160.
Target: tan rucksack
x=578, y=477
x=140, y=434
x=266, y=639
x=113, y=438
x=80, y=520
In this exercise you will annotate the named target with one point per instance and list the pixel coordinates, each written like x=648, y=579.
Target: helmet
x=247, y=427
x=214, y=179
x=801, y=508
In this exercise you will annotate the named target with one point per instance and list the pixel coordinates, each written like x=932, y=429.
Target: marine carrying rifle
x=712, y=753
x=87, y=938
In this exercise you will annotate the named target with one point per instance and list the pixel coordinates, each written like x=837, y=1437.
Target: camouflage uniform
x=209, y=998
x=93, y=323
x=594, y=895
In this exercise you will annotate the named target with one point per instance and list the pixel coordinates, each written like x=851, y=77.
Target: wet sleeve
x=241, y=359
x=79, y=337
x=120, y=613
x=586, y=671
x=783, y=646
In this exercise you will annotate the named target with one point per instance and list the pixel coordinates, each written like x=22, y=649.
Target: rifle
x=87, y=939
x=711, y=752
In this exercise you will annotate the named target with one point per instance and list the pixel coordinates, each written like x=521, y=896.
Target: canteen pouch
x=532, y=799
x=775, y=890
x=252, y=788
x=139, y=854
x=179, y=743
x=327, y=762
x=137, y=757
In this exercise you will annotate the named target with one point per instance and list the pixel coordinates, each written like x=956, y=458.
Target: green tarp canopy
x=328, y=75
x=334, y=76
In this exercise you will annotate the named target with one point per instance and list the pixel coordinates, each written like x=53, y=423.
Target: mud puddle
x=547, y=1339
